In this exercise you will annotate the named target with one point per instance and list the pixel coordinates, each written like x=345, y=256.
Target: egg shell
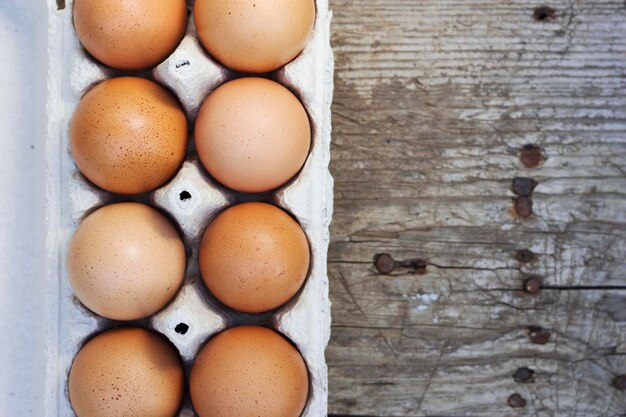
x=126, y=261
x=130, y=34
x=254, y=257
x=252, y=134
x=254, y=35
x=128, y=135
x=130, y=372
x=249, y=371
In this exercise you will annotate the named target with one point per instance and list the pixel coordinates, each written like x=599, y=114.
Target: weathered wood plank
x=433, y=102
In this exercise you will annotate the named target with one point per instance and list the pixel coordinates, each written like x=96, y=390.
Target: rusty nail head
x=620, y=382
x=516, y=401
x=524, y=375
x=543, y=13
x=531, y=156
x=524, y=206
x=532, y=285
x=524, y=256
x=523, y=186
x=384, y=263
x=538, y=335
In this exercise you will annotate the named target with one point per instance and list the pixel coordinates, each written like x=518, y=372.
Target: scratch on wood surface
x=433, y=373
x=356, y=303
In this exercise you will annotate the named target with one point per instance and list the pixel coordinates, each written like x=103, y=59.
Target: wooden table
x=439, y=105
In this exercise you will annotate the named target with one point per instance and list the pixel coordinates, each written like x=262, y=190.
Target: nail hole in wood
x=544, y=13
x=620, y=382
x=516, y=401
x=417, y=265
x=524, y=256
x=523, y=207
x=524, y=375
x=538, y=335
x=531, y=155
x=523, y=186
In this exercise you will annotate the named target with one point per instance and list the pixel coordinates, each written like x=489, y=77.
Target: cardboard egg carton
x=192, y=199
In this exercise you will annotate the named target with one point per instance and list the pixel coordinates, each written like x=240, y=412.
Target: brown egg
x=130, y=372
x=126, y=261
x=252, y=135
x=248, y=371
x=254, y=35
x=130, y=34
x=128, y=135
x=254, y=257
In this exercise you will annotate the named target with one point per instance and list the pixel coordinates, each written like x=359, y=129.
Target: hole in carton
x=184, y=196
x=181, y=328
x=60, y=4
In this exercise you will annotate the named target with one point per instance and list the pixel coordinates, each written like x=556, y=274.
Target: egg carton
x=191, y=199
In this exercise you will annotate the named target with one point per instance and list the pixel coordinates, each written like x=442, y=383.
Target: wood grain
x=433, y=102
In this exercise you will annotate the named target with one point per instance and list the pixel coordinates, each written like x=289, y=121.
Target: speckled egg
x=130, y=372
x=249, y=371
x=254, y=257
x=128, y=135
x=254, y=35
x=130, y=34
x=126, y=261
x=252, y=134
